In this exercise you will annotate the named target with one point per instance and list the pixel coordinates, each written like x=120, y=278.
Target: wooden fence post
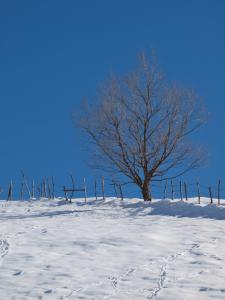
x=219, y=192
x=73, y=181
x=103, y=188
x=181, y=191
x=32, y=194
x=172, y=190
x=185, y=191
x=39, y=191
x=65, y=192
x=210, y=195
x=49, y=189
x=25, y=183
x=165, y=189
x=53, y=188
x=121, y=192
x=44, y=188
x=96, y=194
x=85, y=191
x=114, y=186
x=198, y=190
x=10, y=193
x=21, y=191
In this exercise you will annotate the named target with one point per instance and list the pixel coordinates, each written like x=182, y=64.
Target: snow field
x=111, y=250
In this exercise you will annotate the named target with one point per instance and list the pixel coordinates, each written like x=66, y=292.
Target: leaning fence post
x=25, y=183
x=32, y=195
x=121, y=192
x=10, y=191
x=21, y=191
x=219, y=192
x=103, y=188
x=85, y=191
x=181, y=191
x=210, y=195
x=198, y=190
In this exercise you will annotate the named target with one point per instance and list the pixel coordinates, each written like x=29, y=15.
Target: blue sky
x=55, y=53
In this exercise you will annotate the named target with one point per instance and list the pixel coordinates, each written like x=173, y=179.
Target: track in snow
x=4, y=247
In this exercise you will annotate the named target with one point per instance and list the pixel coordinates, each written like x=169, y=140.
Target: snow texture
x=112, y=249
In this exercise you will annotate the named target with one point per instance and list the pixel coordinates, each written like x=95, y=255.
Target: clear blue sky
x=54, y=53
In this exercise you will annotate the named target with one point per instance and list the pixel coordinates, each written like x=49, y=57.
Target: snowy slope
x=111, y=250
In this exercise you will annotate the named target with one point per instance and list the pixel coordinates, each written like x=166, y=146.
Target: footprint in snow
x=48, y=291
x=17, y=273
x=4, y=247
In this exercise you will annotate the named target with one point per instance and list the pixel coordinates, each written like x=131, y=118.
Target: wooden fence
x=170, y=189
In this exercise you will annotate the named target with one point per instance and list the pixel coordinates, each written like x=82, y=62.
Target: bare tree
x=140, y=126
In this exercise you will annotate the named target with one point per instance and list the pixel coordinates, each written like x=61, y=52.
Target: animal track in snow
x=4, y=247
x=163, y=270
x=168, y=260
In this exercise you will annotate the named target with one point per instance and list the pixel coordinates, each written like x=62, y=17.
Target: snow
x=112, y=249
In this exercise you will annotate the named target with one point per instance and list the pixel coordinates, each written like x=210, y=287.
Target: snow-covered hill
x=111, y=250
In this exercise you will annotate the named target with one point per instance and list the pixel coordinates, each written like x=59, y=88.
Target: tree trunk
x=145, y=189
